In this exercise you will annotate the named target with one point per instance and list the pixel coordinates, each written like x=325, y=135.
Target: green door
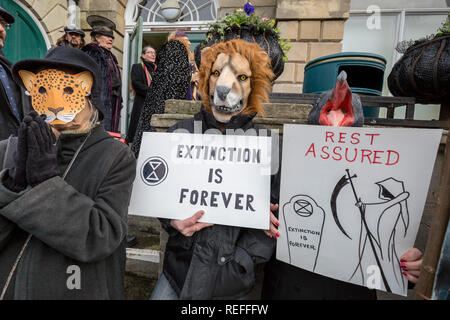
x=23, y=38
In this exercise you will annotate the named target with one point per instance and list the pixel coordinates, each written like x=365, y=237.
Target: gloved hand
x=41, y=158
x=16, y=179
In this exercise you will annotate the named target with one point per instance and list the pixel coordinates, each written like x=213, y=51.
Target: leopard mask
x=235, y=77
x=57, y=94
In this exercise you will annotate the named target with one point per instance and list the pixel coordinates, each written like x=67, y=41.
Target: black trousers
x=134, y=119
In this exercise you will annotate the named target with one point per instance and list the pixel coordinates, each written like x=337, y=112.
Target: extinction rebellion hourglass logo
x=154, y=171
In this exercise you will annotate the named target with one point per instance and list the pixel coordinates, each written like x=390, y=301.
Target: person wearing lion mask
x=205, y=261
x=64, y=188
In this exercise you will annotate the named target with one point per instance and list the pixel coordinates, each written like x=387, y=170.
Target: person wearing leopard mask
x=64, y=188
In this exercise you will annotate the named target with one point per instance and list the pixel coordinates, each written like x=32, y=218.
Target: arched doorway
x=24, y=40
x=144, y=24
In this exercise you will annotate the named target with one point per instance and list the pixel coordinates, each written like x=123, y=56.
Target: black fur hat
x=6, y=15
x=101, y=25
x=65, y=57
x=74, y=30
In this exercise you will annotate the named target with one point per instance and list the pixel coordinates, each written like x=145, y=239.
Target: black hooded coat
x=79, y=223
x=218, y=262
x=111, y=92
x=9, y=124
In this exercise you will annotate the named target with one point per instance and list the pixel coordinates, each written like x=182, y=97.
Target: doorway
x=156, y=39
x=145, y=25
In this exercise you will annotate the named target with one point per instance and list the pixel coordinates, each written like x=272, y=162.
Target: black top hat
x=74, y=30
x=6, y=15
x=101, y=25
x=65, y=57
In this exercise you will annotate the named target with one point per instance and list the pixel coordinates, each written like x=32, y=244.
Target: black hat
x=6, y=15
x=65, y=57
x=74, y=30
x=101, y=25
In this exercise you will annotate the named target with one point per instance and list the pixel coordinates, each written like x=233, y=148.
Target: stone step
x=271, y=110
x=143, y=262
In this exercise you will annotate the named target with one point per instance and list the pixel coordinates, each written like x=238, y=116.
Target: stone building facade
x=315, y=27
x=53, y=16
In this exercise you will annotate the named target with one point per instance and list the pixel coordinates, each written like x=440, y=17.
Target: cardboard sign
x=352, y=199
x=227, y=176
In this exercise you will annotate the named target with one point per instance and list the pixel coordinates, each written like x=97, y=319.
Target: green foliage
x=406, y=45
x=444, y=29
x=238, y=19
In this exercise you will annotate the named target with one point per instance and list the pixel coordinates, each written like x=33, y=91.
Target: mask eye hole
x=42, y=90
x=68, y=90
x=216, y=73
x=242, y=77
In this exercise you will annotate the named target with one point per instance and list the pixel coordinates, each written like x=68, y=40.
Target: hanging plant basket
x=267, y=40
x=423, y=72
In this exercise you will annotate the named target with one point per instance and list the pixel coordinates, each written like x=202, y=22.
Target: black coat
x=109, y=99
x=171, y=81
x=80, y=221
x=217, y=262
x=140, y=86
x=8, y=121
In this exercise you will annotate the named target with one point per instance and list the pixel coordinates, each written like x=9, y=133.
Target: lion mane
x=259, y=61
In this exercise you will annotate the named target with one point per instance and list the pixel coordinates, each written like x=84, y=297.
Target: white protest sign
x=227, y=176
x=351, y=200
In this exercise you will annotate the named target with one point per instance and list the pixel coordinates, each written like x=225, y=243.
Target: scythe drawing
x=345, y=180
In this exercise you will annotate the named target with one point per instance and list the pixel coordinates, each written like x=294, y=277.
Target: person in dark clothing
x=192, y=88
x=100, y=50
x=72, y=37
x=13, y=101
x=205, y=261
x=63, y=205
x=141, y=77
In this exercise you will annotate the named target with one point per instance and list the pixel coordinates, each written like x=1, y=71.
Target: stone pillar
x=315, y=28
x=111, y=9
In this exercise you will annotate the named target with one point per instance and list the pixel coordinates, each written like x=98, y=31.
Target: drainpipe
x=73, y=19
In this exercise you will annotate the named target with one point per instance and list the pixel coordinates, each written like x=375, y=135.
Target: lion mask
x=235, y=77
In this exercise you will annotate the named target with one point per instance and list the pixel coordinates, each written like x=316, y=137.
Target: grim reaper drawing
x=381, y=224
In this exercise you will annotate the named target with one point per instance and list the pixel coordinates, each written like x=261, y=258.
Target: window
x=191, y=10
x=394, y=25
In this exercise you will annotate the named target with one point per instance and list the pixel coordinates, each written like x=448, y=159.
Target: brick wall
x=263, y=8
x=315, y=28
x=52, y=14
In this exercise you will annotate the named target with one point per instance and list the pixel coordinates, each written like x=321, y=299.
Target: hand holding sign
x=372, y=198
x=274, y=223
x=180, y=173
x=410, y=262
x=189, y=226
